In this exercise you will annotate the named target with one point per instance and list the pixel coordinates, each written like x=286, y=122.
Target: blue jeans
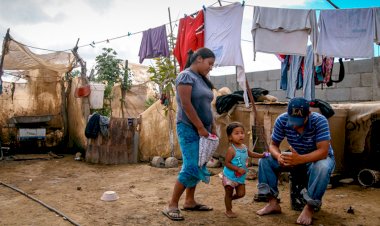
x=191, y=174
x=318, y=172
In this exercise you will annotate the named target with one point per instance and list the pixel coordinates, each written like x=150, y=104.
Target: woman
x=194, y=119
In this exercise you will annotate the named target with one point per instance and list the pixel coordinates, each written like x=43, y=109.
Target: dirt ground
x=75, y=187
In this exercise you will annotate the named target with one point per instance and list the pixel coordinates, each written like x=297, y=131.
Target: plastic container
x=96, y=95
x=109, y=196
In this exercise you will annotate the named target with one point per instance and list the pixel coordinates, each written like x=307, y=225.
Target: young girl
x=235, y=168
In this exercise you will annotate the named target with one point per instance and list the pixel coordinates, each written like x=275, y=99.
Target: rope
x=40, y=202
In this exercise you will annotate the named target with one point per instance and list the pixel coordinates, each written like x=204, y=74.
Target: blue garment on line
x=191, y=173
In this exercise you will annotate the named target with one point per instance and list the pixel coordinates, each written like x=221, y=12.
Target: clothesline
x=105, y=40
x=311, y=9
x=92, y=44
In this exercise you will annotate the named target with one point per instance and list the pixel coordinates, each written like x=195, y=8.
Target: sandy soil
x=144, y=191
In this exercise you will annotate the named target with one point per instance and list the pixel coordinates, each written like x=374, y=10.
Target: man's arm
x=296, y=159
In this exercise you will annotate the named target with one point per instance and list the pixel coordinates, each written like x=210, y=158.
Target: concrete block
x=274, y=74
x=278, y=83
x=336, y=68
x=221, y=79
x=361, y=93
x=366, y=79
x=280, y=94
x=230, y=79
x=320, y=94
x=233, y=87
x=269, y=85
x=338, y=94
x=360, y=66
x=259, y=76
x=350, y=80
x=255, y=84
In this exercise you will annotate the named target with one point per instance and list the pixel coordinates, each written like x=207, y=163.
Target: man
x=308, y=134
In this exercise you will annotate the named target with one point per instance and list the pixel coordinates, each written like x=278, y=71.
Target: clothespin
x=129, y=34
x=92, y=44
x=204, y=7
x=243, y=3
x=108, y=41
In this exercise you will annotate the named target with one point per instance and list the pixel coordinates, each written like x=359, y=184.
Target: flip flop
x=173, y=214
x=198, y=207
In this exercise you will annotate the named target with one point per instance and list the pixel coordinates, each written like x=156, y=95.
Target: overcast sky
x=57, y=24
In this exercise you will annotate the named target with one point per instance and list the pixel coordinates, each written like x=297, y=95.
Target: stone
x=171, y=162
x=158, y=162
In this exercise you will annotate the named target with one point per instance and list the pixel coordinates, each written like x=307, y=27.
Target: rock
x=158, y=161
x=171, y=162
x=78, y=156
x=252, y=174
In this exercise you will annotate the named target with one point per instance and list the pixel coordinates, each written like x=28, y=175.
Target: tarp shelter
x=42, y=94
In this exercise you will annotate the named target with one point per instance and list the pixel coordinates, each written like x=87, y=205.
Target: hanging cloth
x=190, y=37
x=308, y=77
x=284, y=31
x=376, y=13
x=346, y=33
x=223, y=37
x=154, y=43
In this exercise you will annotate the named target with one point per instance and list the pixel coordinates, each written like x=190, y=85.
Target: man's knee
x=321, y=167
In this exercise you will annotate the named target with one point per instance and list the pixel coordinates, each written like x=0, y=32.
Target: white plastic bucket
x=96, y=95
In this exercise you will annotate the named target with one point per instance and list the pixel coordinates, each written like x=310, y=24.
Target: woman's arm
x=184, y=92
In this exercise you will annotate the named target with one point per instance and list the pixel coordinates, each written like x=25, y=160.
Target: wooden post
x=171, y=40
x=170, y=113
x=5, y=50
x=123, y=91
x=82, y=63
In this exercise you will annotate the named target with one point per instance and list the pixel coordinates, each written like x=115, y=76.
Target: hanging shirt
x=190, y=36
x=154, y=43
x=283, y=31
x=346, y=33
x=308, y=78
x=376, y=13
x=223, y=37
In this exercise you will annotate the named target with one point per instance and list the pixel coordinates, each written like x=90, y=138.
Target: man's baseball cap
x=298, y=110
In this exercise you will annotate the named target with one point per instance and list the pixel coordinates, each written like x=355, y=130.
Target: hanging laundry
x=346, y=33
x=190, y=36
x=294, y=76
x=376, y=13
x=283, y=31
x=324, y=71
x=308, y=76
x=223, y=37
x=284, y=71
x=154, y=43
x=341, y=74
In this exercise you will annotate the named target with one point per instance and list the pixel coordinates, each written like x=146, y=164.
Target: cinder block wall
x=361, y=82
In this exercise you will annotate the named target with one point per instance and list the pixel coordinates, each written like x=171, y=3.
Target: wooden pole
x=123, y=91
x=172, y=41
x=170, y=113
x=4, y=51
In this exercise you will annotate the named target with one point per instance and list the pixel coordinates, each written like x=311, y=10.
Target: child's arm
x=229, y=156
x=253, y=154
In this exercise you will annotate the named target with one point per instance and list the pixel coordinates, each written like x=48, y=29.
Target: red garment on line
x=190, y=36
